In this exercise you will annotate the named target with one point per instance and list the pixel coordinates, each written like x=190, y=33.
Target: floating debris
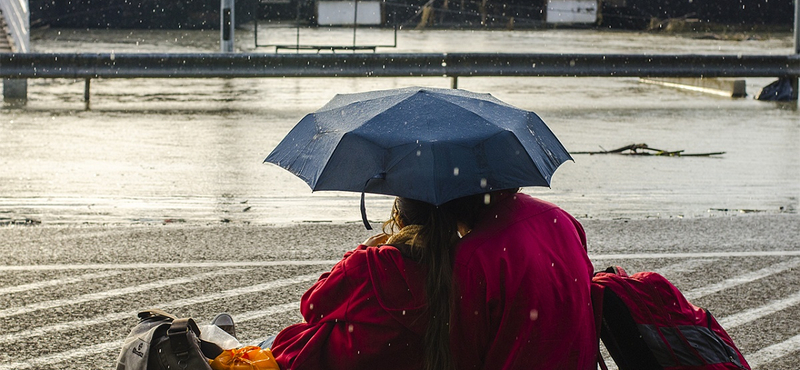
x=19, y=221
x=738, y=210
x=644, y=149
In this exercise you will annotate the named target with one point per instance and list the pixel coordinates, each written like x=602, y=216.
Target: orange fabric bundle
x=245, y=358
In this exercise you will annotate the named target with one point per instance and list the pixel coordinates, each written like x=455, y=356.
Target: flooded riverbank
x=190, y=150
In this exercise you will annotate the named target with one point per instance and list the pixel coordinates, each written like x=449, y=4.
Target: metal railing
x=81, y=65
x=454, y=65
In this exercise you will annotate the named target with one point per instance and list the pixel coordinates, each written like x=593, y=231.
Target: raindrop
x=572, y=63
x=350, y=328
x=504, y=249
x=555, y=220
x=483, y=183
x=487, y=199
x=419, y=153
x=404, y=312
x=476, y=313
x=553, y=264
x=533, y=65
x=455, y=171
x=534, y=314
x=311, y=306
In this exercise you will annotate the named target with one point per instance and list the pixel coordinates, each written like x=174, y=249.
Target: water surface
x=191, y=150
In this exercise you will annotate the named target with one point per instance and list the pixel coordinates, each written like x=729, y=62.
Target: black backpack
x=645, y=322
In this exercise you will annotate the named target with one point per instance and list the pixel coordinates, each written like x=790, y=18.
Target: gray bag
x=161, y=341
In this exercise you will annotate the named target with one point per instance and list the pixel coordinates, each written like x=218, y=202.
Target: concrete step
x=5, y=40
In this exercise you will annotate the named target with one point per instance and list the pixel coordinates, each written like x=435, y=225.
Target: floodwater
x=191, y=150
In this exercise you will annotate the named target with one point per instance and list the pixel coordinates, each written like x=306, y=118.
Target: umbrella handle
x=364, y=213
x=379, y=176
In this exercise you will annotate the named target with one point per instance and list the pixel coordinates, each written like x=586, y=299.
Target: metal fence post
x=226, y=26
x=796, y=45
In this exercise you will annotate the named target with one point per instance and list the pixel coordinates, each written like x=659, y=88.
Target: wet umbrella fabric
x=433, y=145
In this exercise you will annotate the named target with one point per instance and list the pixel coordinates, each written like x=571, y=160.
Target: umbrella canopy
x=428, y=144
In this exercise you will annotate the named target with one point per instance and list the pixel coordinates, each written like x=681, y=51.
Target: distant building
x=189, y=14
x=195, y=14
x=636, y=14
x=639, y=13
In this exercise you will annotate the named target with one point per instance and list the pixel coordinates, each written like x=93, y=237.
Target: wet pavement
x=68, y=295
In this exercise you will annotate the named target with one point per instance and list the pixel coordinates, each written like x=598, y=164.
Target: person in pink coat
x=522, y=297
x=493, y=281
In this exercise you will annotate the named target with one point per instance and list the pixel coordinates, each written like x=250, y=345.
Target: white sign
x=342, y=13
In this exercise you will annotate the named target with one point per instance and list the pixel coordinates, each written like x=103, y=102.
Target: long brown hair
x=438, y=238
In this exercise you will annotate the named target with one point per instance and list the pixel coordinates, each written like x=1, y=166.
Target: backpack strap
x=616, y=270
x=597, y=307
x=598, y=293
x=155, y=314
x=178, y=334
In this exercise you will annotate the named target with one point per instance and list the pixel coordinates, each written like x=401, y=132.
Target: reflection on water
x=190, y=150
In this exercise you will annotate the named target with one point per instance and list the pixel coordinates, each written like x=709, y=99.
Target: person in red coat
x=368, y=312
x=493, y=281
x=523, y=290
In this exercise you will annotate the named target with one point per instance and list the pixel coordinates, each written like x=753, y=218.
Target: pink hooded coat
x=523, y=299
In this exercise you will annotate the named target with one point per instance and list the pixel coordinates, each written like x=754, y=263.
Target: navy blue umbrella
x=428, y=144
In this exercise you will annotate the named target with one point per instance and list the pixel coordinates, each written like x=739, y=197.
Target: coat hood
x=399, y=285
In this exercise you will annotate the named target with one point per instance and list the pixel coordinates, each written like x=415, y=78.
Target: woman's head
x=465, y=210
x=406, y=212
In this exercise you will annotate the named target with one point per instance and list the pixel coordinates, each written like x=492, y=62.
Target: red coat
x=368, y=312
x=525, y=300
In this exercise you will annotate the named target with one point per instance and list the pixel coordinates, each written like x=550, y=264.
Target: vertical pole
x=255, y=23
x=86, y=85
x=226, y=23
x=795, y=84
x=355, y=22
x=297, y=35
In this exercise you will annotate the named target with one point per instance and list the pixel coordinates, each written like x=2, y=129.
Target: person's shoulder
x=532, y=204
x=363, y=253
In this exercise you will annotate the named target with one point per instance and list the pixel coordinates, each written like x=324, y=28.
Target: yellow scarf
x=406, y=235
